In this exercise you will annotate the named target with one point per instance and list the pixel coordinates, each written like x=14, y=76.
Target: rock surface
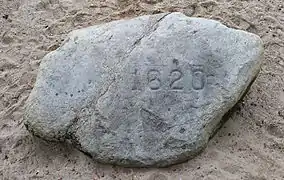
x=149, y=91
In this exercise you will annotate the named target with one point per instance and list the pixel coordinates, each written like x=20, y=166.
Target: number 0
x=198, y=79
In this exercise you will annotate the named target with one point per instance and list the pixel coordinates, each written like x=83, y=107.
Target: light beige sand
x=250, y=145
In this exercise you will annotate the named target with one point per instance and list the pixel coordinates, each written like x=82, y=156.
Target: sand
x=249, y=146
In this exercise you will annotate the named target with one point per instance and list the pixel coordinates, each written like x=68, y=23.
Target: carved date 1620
x=175, y=78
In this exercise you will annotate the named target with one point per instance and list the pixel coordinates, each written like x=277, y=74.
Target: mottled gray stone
x=149, y=91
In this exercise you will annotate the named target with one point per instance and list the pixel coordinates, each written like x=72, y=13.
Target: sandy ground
x=250, y=145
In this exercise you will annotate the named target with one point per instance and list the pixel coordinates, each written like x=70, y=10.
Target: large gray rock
x=149, y=91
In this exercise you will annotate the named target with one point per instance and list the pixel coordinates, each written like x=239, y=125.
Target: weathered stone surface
x=149, y=91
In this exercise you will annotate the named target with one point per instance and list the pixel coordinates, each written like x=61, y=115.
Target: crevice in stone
x=72, y=128
x=74, y=124
x=105, y=91
x=147, y=33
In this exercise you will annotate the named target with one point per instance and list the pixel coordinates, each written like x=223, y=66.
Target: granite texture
x=148, y=91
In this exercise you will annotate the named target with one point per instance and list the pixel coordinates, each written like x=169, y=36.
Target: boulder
x=148, y=91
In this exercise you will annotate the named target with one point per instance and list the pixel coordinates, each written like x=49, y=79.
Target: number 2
x=177, y=74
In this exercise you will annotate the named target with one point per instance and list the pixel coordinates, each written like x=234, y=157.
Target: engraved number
x=177, y=75
x=154, y=79
x=175, y=80
x=198, y=79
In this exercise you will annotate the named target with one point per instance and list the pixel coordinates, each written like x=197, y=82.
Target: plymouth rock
x=147, y=91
